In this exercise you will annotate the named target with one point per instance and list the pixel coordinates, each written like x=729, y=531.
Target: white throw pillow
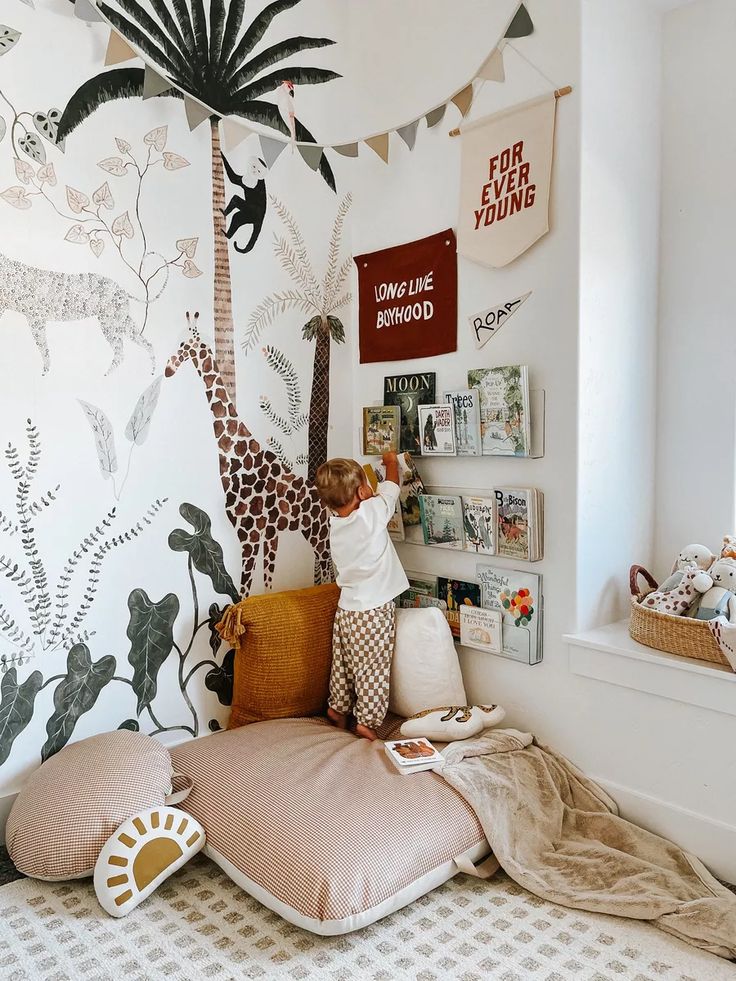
x=425, y=671
x=453, y=722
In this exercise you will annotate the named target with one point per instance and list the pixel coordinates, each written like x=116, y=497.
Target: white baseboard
x=6, y=803
x=712, y=841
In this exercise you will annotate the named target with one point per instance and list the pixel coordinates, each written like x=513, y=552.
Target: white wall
x=619, y=239
x=696, y=457
x=418, y=195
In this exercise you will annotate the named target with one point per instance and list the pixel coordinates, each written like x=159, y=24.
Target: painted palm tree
x=321, y=300
x=211, y=58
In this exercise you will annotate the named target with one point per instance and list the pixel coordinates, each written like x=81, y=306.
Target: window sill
x=608, y=654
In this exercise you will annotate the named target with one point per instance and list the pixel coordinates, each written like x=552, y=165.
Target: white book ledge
x=608, y=654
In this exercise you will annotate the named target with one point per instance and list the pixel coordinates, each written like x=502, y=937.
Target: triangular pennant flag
x=196, y=112
x=347, y=149
x=463, y=99
x=487, y=322
x=492, y=68
x=118, y=50
x=154, y=84
x=312, y=155
x=409, y=133
x=379, y=145
x=85, y=10
x=272, y=149
x=234, y=133
x=521, y=25
x=435, y=116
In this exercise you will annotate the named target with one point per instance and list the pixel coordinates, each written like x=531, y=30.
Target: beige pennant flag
x=312, y=155
x=196, y=112
x=379, y=145
x=492, y=69
x=154, y=84
x=233, y=133
x=464, y=99
x=118, y=50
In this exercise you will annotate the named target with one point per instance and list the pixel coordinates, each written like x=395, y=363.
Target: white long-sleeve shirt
x=368, y=569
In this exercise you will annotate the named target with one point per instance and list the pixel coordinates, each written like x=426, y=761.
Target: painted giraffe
x=262, y=498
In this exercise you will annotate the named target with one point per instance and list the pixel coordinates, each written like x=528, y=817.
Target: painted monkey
x=250, y=207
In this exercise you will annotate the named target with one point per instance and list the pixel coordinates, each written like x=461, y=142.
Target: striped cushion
x=71, y=804
x=318, y=824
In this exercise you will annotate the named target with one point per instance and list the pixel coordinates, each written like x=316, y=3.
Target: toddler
x=369, y=575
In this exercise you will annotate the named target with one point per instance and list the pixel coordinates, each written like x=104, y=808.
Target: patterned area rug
x=200, y=925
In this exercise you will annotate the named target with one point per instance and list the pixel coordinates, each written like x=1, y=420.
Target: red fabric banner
x=408, y=300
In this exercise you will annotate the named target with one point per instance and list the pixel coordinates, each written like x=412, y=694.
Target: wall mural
x=213, y=60
x=50, y=613
x=322, y=299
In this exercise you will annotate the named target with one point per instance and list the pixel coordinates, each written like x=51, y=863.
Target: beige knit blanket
x=560, y=836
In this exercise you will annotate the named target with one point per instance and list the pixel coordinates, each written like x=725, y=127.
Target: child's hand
x=390, y=457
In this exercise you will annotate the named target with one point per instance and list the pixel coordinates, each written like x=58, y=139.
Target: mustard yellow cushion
x=283, y=653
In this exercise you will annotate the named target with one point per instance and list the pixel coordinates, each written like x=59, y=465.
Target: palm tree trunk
x=223, y=300
x=319, y=402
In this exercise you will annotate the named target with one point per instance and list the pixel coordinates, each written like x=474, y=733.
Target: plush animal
x=453, y=721
x=680, y=599
x=720, y=599
x=725, y=635
x=728, y=548
x=697, y=556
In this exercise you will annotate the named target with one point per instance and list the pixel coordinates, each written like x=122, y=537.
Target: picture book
x=437, y=426
x=519, y=523
x=481, y=629
x=442, y=520
x=466, y=403
x=425, y=601
x=504, y=409
x=479, y=523
x=411, y=486
x=518, y=597
x=408, y=392
x=380, y=429
x=457, y=594
x=413, y=755
x=420, y=584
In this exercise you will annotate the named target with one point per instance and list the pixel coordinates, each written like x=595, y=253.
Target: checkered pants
x=362, y=649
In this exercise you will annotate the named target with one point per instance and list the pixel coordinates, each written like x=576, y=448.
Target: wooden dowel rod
x=565, y=90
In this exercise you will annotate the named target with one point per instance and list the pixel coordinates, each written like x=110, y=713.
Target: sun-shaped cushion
x=71, y=804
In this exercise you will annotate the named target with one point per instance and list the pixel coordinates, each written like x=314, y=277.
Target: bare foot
x=365, y=732
x=337, y=718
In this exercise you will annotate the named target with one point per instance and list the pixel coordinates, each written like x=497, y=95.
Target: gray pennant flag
x=312, y=155
x=272, y=149
x=347, y=149
x=85, y=10
x=196, y=113
x=521, y=25
x=435, y=116
x=409, y=133
x=153, y=83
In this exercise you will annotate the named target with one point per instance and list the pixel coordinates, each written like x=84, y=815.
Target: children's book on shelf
x=520, y=523
x=518, y=597
x=437, y=426
x=504, y=409
x=408, y=392
x=395, y=526
x=442, y=520
x=481, y=629
x=479, y=523
x=440, y=604
x=466, y=403
x=412, y=755
x=380, y=429
x=457, y=593
x=411, y=486
x=420, y=584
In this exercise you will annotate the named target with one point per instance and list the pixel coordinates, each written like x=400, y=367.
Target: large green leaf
x=205, y=552
x=220, y=679
x=274, y=54
x=120, y=83
x=233, y=24
x=75, y=694
x=149, y=31
x=255, y=31
x=299, y=76
x=151, y=635
x=16, y=707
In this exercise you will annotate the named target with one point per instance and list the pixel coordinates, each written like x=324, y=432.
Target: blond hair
x=338, y=480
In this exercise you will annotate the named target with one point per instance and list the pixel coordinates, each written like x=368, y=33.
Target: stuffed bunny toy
x=692, y=556
x=720, y=599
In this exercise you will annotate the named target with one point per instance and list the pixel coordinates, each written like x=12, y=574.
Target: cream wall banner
x=505, y=179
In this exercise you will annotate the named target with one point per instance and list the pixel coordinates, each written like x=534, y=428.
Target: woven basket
x=676, y=635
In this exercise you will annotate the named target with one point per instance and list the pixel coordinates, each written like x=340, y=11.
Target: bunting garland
x=235, y=131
